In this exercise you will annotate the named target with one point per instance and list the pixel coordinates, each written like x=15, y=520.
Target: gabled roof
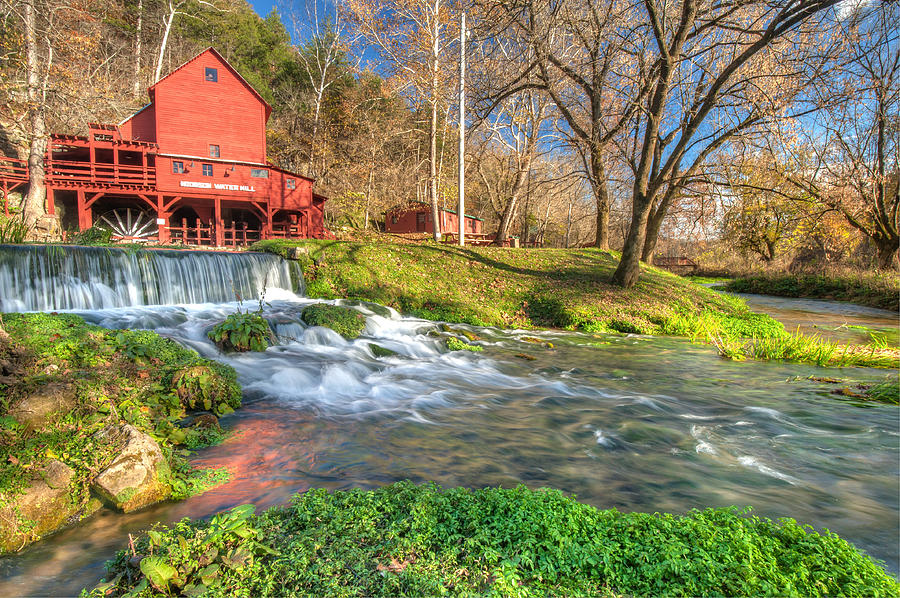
x=224, y=62
x=133, y=115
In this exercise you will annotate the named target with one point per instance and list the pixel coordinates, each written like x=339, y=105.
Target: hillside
x=487, y=286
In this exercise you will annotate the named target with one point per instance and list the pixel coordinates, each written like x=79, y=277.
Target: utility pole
x=461, y=183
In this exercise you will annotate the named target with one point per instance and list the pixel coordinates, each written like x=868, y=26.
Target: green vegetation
x=455, y=344
x=346, y=321
x=242, y=332
x=12, y=230
x=68, y=381
x=557, y=288
x=873, y=289
x=406, y=540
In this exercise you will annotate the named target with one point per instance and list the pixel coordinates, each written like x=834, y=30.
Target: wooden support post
x=84, y=213
x=220, y=234
x=115, y=164
x=92, y=156
x=51, y=207
x=164, y=234
x=5, y=199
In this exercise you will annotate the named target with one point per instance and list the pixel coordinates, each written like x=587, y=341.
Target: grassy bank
x=872, y=289
x=487, y=286
x=407, y=540
x=553, y=288
x=68, y=389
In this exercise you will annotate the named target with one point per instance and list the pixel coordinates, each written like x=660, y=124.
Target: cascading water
x=622, y=421
x=49, y=278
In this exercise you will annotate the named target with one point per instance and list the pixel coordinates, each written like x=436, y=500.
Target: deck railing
x=61, y=172
x=13, y=169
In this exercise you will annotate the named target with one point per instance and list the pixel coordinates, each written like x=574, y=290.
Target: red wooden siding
x=141, y=126
x=417, y=219
x=192, y=113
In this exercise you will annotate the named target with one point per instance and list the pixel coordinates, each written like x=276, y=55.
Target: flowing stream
x=637, y=423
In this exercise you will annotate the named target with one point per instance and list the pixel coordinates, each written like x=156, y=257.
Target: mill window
x=177, y=167
x=207, y=170
x=259, y=173
x=291, y=184
x=212, y=74
x=213, y=151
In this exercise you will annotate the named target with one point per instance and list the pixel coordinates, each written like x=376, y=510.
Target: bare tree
x=712, y=71
x=851, y=148
x=412, y=37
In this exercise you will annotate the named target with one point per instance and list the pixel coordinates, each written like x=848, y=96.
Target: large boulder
x=44, y=507
x=35, y=410
x=139, y=474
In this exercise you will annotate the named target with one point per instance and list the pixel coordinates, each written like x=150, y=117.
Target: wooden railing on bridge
x=678, y=263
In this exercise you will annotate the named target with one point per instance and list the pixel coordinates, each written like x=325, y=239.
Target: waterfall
x=58, y=277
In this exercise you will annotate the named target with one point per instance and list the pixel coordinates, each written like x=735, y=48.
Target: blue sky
x=262, y=7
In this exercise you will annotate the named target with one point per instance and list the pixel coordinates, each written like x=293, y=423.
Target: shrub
x=208, y=386
x=346, y=321
x=407, y=540
x=242, y=332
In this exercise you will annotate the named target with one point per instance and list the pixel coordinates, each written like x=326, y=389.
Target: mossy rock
x=454, y=344
x=379, y=351
x=346, y=321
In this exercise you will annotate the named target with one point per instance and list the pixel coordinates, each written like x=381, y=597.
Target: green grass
x=119, y=376
x=407, y=540
x=872, y=289
x=488, y=286
x=347, y=322
x=555, y=288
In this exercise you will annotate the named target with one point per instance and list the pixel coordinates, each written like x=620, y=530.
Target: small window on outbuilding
x=213, y=151
x=211, y=74
x=394, y=219
x=177, y=167
x=207, y=170
x=291, y=184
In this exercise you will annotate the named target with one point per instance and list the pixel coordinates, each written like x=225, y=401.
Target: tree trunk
x=165, y=40
x=887, y=253
x=137, y=49
x=601, y=194
x=33, y=204
x=432, y=131
x=629, y=268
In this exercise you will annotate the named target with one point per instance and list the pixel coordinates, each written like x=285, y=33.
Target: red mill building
x=190, y=167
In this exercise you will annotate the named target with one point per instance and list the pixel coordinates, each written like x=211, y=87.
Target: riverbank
x=871, y=289
x=92, y=417
x=410, y=540
x=554, y=288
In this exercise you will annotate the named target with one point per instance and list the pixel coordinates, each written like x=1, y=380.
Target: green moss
x=455, y=344
x=346, y=321
x=119, y=376
x=379, y=351
x=407, y=540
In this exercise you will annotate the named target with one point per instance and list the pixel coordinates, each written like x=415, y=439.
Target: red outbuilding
x=190, y=167
x=416, y=218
